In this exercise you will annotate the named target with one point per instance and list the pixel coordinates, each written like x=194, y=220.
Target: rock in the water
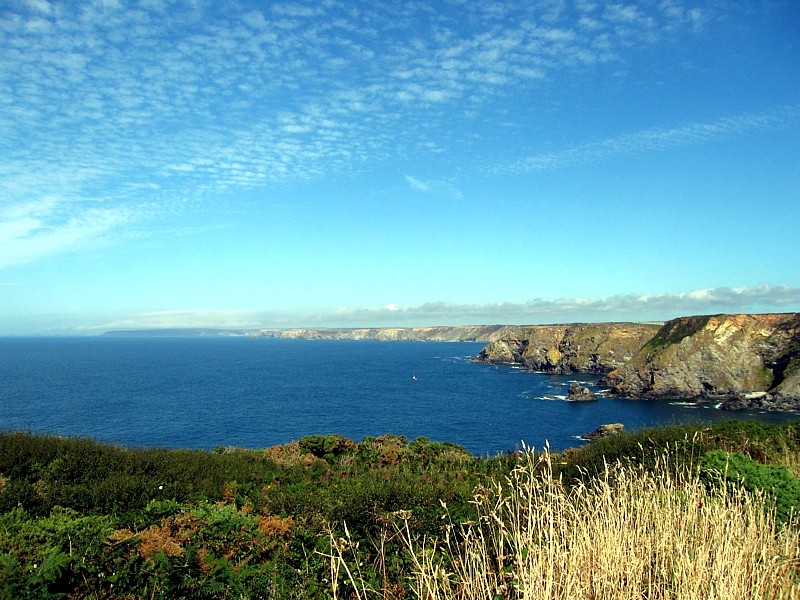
x=762, y=401
x=604, y=431
x=579, y=393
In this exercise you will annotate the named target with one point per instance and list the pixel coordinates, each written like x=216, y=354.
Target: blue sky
x=325, y=163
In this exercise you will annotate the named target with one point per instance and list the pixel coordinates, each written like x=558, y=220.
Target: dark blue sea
x=203, y=392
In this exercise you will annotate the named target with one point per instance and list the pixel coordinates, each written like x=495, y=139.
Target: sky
x=380, y=163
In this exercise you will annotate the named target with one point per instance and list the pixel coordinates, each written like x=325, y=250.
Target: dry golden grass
x=632, y=534
x=790, y=457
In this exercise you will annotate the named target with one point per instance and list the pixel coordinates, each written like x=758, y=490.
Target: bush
x=684, y=443
x=778, y=485
x=323, y=446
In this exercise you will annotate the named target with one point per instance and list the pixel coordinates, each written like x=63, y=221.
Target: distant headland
x=175, y=332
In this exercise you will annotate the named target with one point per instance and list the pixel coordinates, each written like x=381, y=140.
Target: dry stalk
x=629, y=534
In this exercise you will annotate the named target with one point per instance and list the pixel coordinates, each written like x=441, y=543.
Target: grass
x=637, y=515
x=631, y=533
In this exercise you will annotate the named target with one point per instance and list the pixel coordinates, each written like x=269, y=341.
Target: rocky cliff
x=740, y=360
x=466, y=333
x=583, y=348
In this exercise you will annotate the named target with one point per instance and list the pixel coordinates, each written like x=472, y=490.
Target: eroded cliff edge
x=739, y=360
x=575, y=348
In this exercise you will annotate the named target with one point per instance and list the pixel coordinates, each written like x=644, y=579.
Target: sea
x=210, y=392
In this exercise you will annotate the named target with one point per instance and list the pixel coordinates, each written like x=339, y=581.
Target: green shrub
x=323, y=446
x=683, y=443
x=778, y=485
x=43, y=557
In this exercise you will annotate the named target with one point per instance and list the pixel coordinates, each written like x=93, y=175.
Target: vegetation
x=633, y=533
x=673, y=332
x=775, y=482
x=678, y=512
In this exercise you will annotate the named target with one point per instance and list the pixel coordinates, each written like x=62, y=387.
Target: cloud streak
x=436, y=188
x=630, y=307
x=656, y=139
x=33, y=231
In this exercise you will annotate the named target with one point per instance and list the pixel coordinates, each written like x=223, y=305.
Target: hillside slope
x=741, y=360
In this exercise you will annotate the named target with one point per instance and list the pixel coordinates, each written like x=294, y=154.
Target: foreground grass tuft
x=630, y=533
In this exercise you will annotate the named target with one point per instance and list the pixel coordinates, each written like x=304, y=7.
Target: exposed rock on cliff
x=585, y=348
x=742, y=360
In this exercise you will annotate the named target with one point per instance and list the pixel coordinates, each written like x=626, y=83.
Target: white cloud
x=417, y=184
x=630, y=307
x=658, y=139
x=42, y=6
x=151, y=87
x=438, y=188
x=217, y=319
x=41, y=234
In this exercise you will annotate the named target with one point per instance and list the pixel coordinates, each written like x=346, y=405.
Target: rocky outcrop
x=738, y=360
x=466, y=333
x=580, y=393
x=582, y=348
x=604, y=431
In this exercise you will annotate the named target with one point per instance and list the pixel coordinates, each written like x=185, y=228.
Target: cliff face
x=584, y=348
x=467, y=333
x=742, y=360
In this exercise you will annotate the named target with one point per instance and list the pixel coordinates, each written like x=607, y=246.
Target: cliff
x=740, y=360
x=584, y=348
x=466, y=333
